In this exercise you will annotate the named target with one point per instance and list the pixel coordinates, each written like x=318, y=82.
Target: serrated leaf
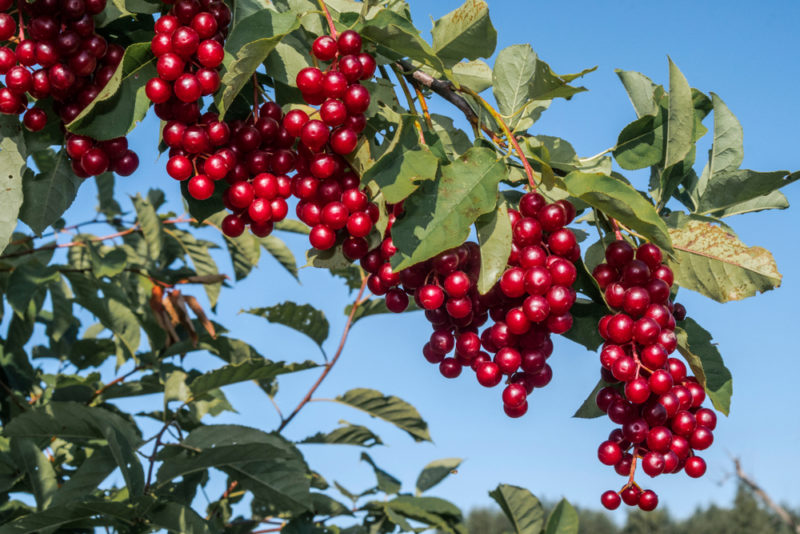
x=242, y=372
x=57, y=516
x=622, y=202
x=717, y=264
x=494, y=237
x=562, y=520
x=374, y=306
x=63, y=317
x=523, y=510
x=250, y=56
x=87, y=478
x=695, y=344
x=771, y=201
x=282, y=254
x=389, y=408
x=464, y=33
x=588, y=409
x=435, y=472
x=12, y=166
x=386, y=482
x=432, y=511
x=50, y=192
x=301, y=317
x=106, y=203
x=291, y=225
x=25, y=281
x=122, y=103
x=245, y=250
x=439, y=214
x=348, y=434
x=151, y=227
x=641, y=91
x=585, y=315
x=107, y=263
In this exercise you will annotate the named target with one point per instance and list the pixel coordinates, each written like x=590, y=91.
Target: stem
x=424, y=105
x=615, y=227
x=255, y=97
x=329, y=365
x=411, y=106
x=152, y=457
x=13, y=396
x=330, y=19
x=506, y=130
x=115, y=382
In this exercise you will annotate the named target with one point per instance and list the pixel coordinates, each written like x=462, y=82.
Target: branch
x=785, y=516
x=329, y=365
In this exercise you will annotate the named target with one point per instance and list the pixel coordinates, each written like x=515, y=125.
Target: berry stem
x=21, y=21
x=328, y=366
x=330, y=19
x=510, y=136
x=255, y=97
x=615, y=227
x=424, y=105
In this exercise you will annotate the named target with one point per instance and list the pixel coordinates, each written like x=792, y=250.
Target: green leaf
x=291, y=225
x=122, y=103
x=585, y=315
x=512, y=75
x=124, y=451
x=727, y=151
x=151, y=227
x=435, y=472
x=400, y=169
x=25, y=281
x=278, y=249
x=432, y=511
x=386, y=482
x=63, y=317
x=589, y=409
x=304, y=318
x=106, y=203
x=266, y=464
x=641, y=91
x=374, y=306
x=250, y=56
x=695, y=344
x=439, y=214
x=771, y=201
x=389, y=408
x=57, y=516
x=476, y=75
x=717, y=264
x=108, y=263
x=727, y=190
x=37, y=468
x=398, y=38
x=465, y=32
x=622, y=202
x=50, y=192
x=242, y=372
x=562, y=520
x=348, y=434
x=178, y=518
x=245, y=250
x=641, y=143
x=12, y=166
x=521, y=507
x=87, y=478
x=494, y=237
x=680, y=126
x=204, y=264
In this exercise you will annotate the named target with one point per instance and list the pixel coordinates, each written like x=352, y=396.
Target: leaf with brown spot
x=717, y=264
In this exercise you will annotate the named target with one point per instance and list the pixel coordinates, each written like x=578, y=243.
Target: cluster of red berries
x=331, y=201
x=53, y=51
x=656, y=402
x=531, y=301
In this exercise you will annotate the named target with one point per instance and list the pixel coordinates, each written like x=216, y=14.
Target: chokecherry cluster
x=331, y=201
x=652, y=397
x=531, y=301
x=52, y=50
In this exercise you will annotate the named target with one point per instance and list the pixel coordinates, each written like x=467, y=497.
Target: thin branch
x=115, y=382
x=785, y=516
x=329, y=18
x=329, y=365
x=152, y=457
x=424, y=105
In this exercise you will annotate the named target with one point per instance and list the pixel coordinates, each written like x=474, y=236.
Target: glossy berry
x=610, y=500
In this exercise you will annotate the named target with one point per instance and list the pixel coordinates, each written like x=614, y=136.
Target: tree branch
x=329, y=365
x=785, y=516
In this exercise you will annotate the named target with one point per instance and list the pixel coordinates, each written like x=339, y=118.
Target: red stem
x=615, y=227
x=329, y=365
x=330, y=19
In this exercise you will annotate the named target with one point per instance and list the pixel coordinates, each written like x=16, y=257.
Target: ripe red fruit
x=127, y=164
x=309, y=81
x=94, y=162
x=648, y=500
x=356, y=98
x=653, y=464
x=450, y=368
x=620, y=329
x=232, y=225
x=519, y=411
x=610, y=500
x=514, y=395
x=609, y=453
x=349, y=42
x=324, y=48
x=158, y=91
x=695, y=467
x=343, y=140
x=321, y=237
x=359, y=224
x=35, y=119
x=488, y=374
x=508, y=360
x=210, y=53
x=396, y=300
x=185, y=41
x=619, y=253
x=637, y=390
x=201, y=187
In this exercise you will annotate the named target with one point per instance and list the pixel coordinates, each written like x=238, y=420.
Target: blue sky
x=746, y=53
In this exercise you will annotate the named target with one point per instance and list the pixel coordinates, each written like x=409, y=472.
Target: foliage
x=128, y=296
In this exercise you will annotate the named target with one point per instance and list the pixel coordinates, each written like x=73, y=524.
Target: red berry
x=201, y=187
x=695, y=467
x=349, y=42
x=324, y=48
x=610, y=500
x=322, y=237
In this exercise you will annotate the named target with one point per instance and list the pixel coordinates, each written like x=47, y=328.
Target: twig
x=115, y=382
x=329, y=365
x=424, y=105
x=785, y=516
x=152, y=457
x=410, y=100
x=13, y=396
